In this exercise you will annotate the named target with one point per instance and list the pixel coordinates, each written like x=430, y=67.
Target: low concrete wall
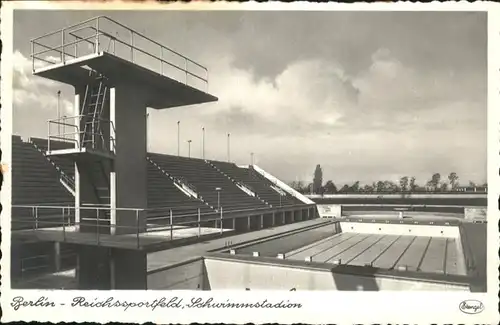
x=239, y=275
x=427, y=200
x=189, y=275
x=400, y=229
x=406, y=196
x=329, y=210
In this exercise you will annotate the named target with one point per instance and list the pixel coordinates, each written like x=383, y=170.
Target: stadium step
x=233, y=179
x=157, y=174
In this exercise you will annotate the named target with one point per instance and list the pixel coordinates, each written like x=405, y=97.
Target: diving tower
x=116, y=73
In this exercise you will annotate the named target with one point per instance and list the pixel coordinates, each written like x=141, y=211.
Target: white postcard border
x=317, y=307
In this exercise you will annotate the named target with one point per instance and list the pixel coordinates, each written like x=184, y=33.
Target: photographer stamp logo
x=471, y=306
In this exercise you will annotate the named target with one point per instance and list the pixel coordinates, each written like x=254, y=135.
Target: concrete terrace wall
x=443, y=200
x=242, y=275
x=282, y=185
x=400, y=229
x=473, y=206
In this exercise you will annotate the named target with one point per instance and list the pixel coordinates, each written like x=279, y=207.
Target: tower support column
x=124, y=177
x=128, y=177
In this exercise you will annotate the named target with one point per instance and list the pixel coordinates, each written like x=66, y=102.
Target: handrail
x=57, y=120
x=64, y=124
x=48, y=49
x=71, y=26
x=140, y=34
x=72, y=33
x=38, y=220
x=155, y=57
x=138, y=209
x=42, y=205
x=55, y=48
x=65, y=117
x=73, y=207
x=98, y=30
x=69, y=136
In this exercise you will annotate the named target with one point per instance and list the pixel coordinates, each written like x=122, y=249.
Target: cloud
x=33, y=92
x=306, y=95
x=35, y=98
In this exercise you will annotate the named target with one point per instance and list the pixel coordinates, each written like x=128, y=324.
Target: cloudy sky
x=368, y=95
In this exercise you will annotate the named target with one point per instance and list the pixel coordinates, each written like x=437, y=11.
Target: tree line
x=406, y=184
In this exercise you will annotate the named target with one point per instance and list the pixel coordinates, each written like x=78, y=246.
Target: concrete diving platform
x=163, y=92
x=122, y=55
x=81, y=153
x=157, y=240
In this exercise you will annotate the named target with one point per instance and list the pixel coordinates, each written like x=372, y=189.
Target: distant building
x=480, y=189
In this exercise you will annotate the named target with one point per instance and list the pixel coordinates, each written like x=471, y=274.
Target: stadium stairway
x=262, y=187
x=218, y=166
x=164, y=191
x=262, y=179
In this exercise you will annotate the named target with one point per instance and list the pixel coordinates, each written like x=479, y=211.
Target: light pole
x=147, y=131
x=218, y=189
x=189, y=148
x=203, y=143
x=228, y=147
x=58, y=112
x=251, y=158
x=178, y=138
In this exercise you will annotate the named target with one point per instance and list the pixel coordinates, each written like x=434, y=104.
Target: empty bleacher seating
x=260, y=185
x=35, y=181
x=65, y=164
x=162, y=193
x=206, y=179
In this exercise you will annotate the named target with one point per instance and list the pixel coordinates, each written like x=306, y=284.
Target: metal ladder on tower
x=92, y=136
x=91, y=112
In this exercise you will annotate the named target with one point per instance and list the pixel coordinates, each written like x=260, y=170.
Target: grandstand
x=37, y=179
x=177, y=186
x=82, y=219
x=178, y=183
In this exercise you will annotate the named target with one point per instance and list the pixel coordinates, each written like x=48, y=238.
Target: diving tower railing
x=67, y=129
x=103, y=34
x=61, y=220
